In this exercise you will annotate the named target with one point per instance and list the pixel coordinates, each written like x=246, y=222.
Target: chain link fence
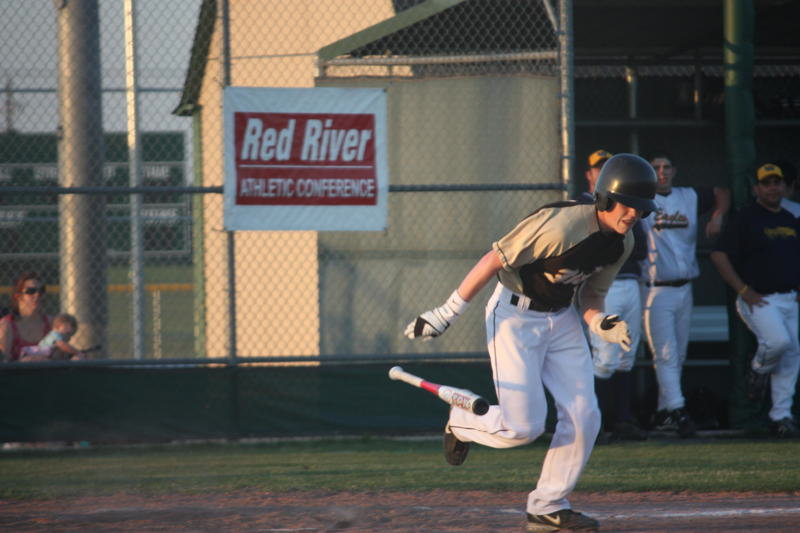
x=450, y=69
x=473, y=103
x=162, y=269
x=678, y=107
x=51, y=51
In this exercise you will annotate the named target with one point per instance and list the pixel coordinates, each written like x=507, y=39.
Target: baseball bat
x=462, y=398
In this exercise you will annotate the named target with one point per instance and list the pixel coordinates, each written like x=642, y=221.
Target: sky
x=29, y=62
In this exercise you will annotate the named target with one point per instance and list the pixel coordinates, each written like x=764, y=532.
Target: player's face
x=769, y=192
x=665, y=172
x=619, y=219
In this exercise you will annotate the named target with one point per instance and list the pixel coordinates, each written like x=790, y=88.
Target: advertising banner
x=305, y=159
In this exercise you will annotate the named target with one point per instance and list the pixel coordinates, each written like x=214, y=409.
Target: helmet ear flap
x=604, y=202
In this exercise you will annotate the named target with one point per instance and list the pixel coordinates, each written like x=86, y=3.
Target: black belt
x=674, y=283
x=533, y=306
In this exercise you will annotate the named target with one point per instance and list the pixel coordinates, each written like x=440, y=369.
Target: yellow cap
x=599, y=156
x=767, y=170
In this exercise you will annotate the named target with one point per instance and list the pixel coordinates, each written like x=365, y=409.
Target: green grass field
x=373, y=464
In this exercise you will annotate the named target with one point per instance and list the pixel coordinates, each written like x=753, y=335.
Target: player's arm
x=722, y=203
x=477, y=278
x=592, y=296
x=592, y=302
x=725, y=268
x=434, y=322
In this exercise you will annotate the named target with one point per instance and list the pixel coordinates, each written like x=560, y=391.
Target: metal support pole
x=225, y=67
x=136, y=272
x=548, y=7
x=566, y=96
x=82, y=229
x=738, y=57
x=198, y=241
x=632, y=79
x=157, y=324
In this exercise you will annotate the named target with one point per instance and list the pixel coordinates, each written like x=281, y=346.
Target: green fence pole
x=738, y=55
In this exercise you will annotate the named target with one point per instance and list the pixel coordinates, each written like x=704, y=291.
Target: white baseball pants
x=778, y=353
x=529, y=351
x=623, y=299
x=667, y=317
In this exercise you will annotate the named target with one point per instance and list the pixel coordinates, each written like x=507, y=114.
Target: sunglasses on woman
x=34, y=290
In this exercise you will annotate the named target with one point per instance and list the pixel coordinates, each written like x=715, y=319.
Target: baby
x=55, y=345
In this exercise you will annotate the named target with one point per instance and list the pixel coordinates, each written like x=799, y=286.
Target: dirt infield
x=430, y=512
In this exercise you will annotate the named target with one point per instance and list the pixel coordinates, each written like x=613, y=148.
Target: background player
x=759, y=257
x=534, y=335
x=612, y=365
x=668, y=271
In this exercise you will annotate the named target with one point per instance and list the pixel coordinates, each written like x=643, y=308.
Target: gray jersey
x=555, y=249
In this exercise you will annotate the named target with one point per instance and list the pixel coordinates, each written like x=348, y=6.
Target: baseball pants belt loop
x=673, y=283
x=530, y=305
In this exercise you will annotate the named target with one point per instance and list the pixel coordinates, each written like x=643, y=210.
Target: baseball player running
x=668, y=271
x=613, y=381
x=759, y=257
x=534, y=336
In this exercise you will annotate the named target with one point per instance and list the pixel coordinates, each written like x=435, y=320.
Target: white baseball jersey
x=671, y=243
x=791, y=206
x=672, y=235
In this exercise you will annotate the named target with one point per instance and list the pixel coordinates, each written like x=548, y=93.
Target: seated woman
x=26, y=324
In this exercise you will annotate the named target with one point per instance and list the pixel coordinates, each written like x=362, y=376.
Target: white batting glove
x=432, y=323
x=611, y=329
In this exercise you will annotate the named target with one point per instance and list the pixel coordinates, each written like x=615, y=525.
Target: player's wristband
x=456, y=303
x=743, y=289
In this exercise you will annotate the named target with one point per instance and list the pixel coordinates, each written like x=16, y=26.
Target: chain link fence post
x=136, y=273
x=82, y=227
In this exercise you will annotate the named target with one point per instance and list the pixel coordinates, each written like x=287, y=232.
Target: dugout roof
x=631, y=32
x=634, y=31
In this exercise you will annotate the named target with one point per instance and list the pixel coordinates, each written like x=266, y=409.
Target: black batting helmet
x=629, y=180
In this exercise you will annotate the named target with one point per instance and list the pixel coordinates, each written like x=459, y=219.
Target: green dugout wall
x=155, y=403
